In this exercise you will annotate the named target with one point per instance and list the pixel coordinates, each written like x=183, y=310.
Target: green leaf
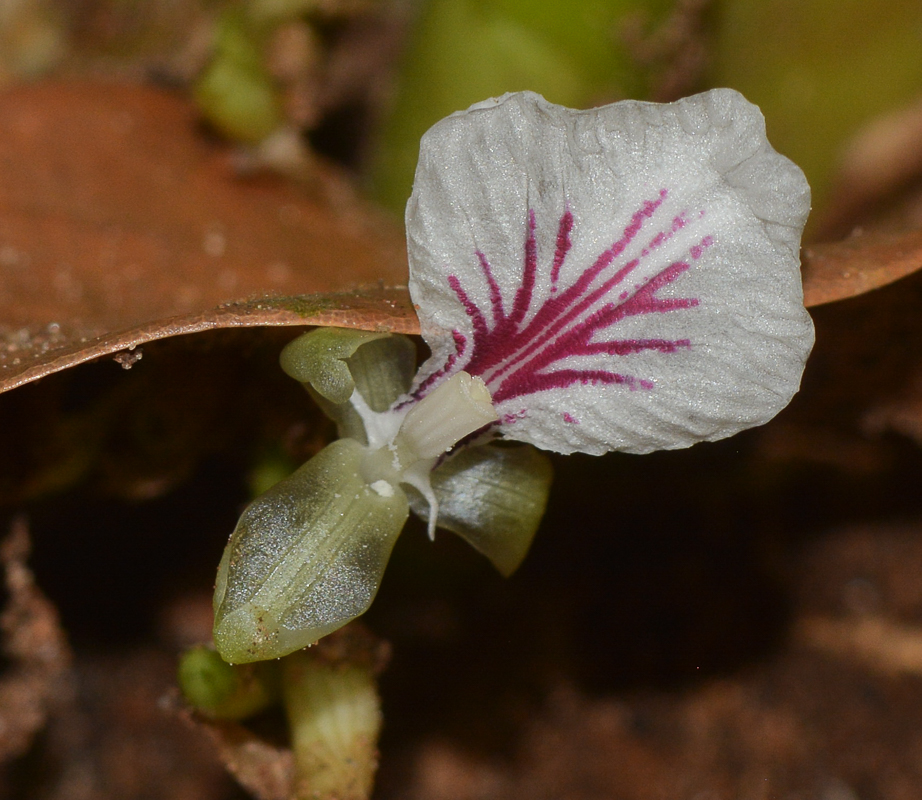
x=463, y=51
x=306, y=557
x=493, y=497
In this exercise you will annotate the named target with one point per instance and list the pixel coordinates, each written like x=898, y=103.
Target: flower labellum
x=624, y=278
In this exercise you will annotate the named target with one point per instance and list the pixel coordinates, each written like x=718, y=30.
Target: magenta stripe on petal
x=516, y=357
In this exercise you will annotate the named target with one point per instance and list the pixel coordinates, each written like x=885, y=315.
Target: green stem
x=335, y=717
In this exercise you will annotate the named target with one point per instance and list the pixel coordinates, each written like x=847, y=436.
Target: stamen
x=458, y=407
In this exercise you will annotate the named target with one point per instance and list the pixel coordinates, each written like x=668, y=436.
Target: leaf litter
x=120, y=224
x=721, y=736
x=38, y=676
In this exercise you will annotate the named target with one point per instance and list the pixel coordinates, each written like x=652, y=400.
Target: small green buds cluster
x=309, y=554
x=223, y=691
x=330, y=698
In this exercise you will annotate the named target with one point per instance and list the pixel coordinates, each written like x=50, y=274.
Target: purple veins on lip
x=563, y=247
x=446, y=369
x=515, y=346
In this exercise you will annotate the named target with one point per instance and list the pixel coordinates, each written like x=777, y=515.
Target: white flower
x=623, y=278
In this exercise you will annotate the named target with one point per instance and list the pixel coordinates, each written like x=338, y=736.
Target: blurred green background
x=363, y=79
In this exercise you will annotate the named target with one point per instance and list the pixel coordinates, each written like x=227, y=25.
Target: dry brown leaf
x=858, y=264
x=266, y=771
x=31, y=356
x=119, y=224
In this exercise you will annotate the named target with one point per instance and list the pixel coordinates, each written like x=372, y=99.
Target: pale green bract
x=305, y=557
